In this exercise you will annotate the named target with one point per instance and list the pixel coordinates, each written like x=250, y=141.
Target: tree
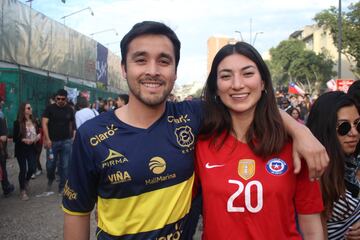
x=291, y=62
x=350, y=31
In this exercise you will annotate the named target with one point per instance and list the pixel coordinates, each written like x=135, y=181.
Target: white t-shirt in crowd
x=83, y=115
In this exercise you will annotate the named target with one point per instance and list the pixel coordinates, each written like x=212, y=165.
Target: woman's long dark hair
x=266, y=134
x=22, y=120
x=322, y=123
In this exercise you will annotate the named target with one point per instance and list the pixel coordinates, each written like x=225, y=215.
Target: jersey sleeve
x=308, y=198
x=80, y=192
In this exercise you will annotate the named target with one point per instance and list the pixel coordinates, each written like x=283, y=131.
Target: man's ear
x=123, y=71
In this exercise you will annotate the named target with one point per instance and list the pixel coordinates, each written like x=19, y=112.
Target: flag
x=295, y=89
x=331, y=85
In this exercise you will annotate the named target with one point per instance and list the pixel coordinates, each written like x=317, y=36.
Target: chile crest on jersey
x=276, y=166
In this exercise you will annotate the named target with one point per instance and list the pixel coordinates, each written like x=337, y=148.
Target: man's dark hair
x=62, y=92
x=124, y=97
x=146, y=28
x=82, y=102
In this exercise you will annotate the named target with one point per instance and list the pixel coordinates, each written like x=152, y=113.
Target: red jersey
x=247, y=197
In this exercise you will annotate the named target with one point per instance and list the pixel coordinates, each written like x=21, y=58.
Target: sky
x=194, y=21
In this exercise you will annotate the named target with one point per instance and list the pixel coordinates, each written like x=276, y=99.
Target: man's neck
x=139, y=115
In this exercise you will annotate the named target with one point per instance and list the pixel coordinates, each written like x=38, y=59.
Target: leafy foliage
x=291, y=62
x=350, y=31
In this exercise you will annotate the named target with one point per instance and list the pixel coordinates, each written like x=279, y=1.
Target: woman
x=335, y=121
x=25, y=136
x=244, y=159
x=295, y=113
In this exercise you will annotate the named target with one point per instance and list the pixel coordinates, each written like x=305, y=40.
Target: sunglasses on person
x=60, y=98
x=345, y=127
x=28, y=108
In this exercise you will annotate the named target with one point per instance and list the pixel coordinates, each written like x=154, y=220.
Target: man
x=136, y=163
x=58, y=126
x=84, y=113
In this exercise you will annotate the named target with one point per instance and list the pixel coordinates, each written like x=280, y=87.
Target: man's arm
x=306, y=146
x=76, y=227
x=44, y=124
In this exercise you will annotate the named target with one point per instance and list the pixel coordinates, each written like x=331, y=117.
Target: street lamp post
x=106, y=30
x=255, y=37
x=73, y=13
x=240, y=35
x=339, y=40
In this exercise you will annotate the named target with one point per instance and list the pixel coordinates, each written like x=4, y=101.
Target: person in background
x=84, y=113
x=335, y=121
x=244, y=157
x=58, y=123
x=7, y=187
x=104, y=106
x=25, y=135
x=354, y=92
x=109, y=170
x=39, y=147
x=2, y=102
x=111, y=104
x=122, y=100
x=295, y=113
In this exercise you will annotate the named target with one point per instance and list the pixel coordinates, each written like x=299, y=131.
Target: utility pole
x=339, y=40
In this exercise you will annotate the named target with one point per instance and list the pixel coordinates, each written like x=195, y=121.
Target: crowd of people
x=150, y=165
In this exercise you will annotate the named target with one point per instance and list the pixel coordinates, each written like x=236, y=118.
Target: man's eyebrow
x=166, y=55
x=138, y=53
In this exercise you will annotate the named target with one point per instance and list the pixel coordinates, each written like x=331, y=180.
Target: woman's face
x=28, y=109
x=348, y=136
x=239, y=84
x=295, y=114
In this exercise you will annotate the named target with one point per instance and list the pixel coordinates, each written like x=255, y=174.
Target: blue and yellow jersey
x=140, y=179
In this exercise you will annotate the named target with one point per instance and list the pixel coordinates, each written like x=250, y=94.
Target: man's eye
x=140, y=60
x=165, y=61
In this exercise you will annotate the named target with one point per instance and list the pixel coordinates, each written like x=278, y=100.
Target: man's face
x=150, y=69
x=60, y=100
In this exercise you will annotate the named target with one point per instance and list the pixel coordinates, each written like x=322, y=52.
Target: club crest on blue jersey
x=276, y=166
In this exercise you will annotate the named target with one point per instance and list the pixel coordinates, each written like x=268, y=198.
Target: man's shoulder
x=195, y=105
x=98, y=123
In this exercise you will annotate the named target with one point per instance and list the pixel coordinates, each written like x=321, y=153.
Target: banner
x=101, y=64
x=343, y=85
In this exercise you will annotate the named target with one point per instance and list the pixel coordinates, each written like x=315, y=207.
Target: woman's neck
x=241, y=123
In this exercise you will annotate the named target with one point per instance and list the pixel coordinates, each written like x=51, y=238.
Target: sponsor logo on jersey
x=114, y=158
x=246, y=168
x=69, y=193
x=110, y=131
x=119, y=177
x=157, y=165
x=176, y=235
x=209, y=166
x=180, y=119
x=184, y=136
x=276, y=166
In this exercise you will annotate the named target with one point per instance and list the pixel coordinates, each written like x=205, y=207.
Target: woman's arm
x=306, y=146
x=311, y=226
